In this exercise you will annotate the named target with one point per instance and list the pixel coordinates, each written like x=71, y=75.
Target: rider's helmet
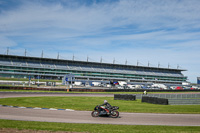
x=105, y=101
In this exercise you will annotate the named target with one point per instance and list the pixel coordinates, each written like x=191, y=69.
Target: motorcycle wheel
x=95, y=113
x=114, y=114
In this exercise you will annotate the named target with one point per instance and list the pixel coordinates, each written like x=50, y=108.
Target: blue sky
x=154, y=31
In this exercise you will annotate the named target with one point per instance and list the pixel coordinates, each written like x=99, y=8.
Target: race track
x=85, y=116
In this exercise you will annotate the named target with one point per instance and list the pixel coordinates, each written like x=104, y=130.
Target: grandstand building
x=46, y=68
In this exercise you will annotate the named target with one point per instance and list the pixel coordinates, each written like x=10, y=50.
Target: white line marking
x=52, y=109
x=37, y=108
x=69, y=110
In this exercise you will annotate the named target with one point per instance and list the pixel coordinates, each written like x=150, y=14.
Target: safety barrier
x=124, y=97
x=149, y=90
x=139, y=96
x=52, y=89
x=155, y=100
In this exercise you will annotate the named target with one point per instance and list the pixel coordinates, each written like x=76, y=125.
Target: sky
x=143, y=32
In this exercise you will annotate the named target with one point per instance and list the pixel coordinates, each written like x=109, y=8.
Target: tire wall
x=124, y=97
x=155, y=100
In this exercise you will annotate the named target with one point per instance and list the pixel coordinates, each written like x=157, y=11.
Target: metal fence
x=176, y=99
x=184, y=101
x=171, y=96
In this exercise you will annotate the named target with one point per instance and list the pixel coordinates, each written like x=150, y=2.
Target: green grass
x=88, y=103
x=3, y=90
x=96, y=128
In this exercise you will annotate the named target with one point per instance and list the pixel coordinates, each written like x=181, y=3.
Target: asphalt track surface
x=85, y=116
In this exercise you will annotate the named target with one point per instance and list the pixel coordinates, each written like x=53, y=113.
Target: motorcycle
x=102, y=111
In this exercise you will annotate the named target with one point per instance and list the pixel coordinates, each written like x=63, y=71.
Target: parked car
x=179, y=88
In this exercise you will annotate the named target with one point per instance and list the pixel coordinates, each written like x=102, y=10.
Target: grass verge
x=95, y=128
x=10, y=90
x=88, y=104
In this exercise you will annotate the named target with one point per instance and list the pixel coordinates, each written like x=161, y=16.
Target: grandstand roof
x=50, y=60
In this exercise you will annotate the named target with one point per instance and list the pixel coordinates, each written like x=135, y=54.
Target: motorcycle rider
x=107, y=105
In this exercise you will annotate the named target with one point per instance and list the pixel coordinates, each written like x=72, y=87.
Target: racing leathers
x=107, y=106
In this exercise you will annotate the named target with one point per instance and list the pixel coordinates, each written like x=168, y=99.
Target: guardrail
x=149, y=90
x=176, y=99
x=184, y=101
x=171, y=96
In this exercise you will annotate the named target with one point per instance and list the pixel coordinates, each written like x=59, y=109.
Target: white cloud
x=97, y=17
x=155, y=31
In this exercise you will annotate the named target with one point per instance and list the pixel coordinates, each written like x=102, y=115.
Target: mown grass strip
x=88, y=104
x=96, y=128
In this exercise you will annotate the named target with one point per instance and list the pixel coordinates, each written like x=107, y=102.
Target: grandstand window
x=36, y=65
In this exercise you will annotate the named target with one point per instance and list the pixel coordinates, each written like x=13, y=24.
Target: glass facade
x=20, y=66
